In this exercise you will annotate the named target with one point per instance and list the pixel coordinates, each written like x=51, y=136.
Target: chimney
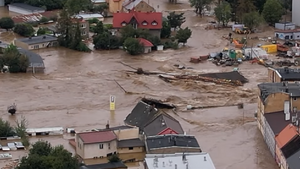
x=204, y=158
x=286, y=90
x=183, y=157
x=287, y=110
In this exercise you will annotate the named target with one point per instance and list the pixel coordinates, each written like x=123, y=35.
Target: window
x=82, y=25
x=36, y=46
x=144, y=23
x=123, y=24
x=83, y=32
x=295, y=98
x=154, y=23
x=108, y=146
x=100, y=146
x=130, y=148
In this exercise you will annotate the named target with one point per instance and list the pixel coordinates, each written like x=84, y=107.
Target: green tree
x=176, y=20
x=43, y=20
x=272, y=11
x=114, y=158
x=200, y=5
x=5, y=129
x=99, y=28
x=75, y=6
x=252, y=20
x=6, y=23
x=106, y=41
x=41, y=31
x=42, y=155
x=24, y=29
x=20, y=130
x=133, y=46
x=12, y=58
x=183, y=35
x=166, y=30
x=126, y=32
x=234, y=6
x=244, y=6
x=223, y=13
x=259, y=4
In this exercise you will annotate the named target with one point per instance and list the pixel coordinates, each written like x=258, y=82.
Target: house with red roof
x=147, y=45
x=151, y=21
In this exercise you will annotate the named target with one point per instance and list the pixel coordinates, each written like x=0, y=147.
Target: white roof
x=88, y=16
x=98, y=1
x=40, y=130
x=175, y=161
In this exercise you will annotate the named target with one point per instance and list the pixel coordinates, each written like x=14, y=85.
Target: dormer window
x=123, y=23
x=144, y=23
x=154, y=23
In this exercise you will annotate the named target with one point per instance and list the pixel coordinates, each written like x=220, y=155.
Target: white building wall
x=296, y=12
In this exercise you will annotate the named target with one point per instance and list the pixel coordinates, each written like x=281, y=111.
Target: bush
x=170, y=44
x=24, y=29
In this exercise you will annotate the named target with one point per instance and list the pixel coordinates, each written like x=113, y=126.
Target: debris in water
x=158, y=103
x=12, y=109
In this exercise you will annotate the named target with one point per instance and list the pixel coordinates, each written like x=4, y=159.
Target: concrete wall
x=270, y=138
x=275, y=102
x=172, y=150
x=79, y=147
x=144, y=7
x=21, y=44
x=126, y=134
x=115, y=6
x=296, y=12
x=93, y=150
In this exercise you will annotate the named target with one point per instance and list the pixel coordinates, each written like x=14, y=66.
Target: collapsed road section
x=232, y=78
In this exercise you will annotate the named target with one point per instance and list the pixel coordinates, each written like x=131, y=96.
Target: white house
x=179, y=161
x=288, y=34
x=296, y=12
x=24, y=9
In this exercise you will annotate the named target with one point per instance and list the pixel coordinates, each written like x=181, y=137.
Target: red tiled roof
x=148, y=18
x=289, y=132
x=145, y=42
x=97, y=136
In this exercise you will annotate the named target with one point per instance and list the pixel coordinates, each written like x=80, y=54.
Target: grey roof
x=140, y=115
x=105, y=166
x=276, y=121
x=288, y=74
x=270, y=88
x=116, y=128
x=27, y=7
x=131, y=143
x=294, y=161
x=35, y=60
x=160, y=123
x=171, y=140
x=233, y=75
x=130, y=4
x=38, y=39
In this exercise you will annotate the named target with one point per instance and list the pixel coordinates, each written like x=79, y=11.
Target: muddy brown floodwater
x=75, y=90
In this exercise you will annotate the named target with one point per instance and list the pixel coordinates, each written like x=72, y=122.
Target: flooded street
x=75, y=91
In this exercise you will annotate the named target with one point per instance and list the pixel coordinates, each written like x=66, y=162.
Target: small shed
x=147, y=45
x=288, y=34
x=285, y=26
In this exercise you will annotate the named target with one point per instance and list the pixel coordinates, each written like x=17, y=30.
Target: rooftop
x=171, y=140
x=131, y=143
x=145, y=42
x=270, y=88
x=123, y=127
x=180, y=161
x=130, y=4
x=105, y=166
x=288, y=74
x=27, y=7
x=88, y=16
x=35, y=17
x=287, y=134
x=38, y=39
x=294, y=161
x=140, y=115
x=233, y=75
x=277, y=121
x=160, y=123
x=35, y=59
x=97, y=137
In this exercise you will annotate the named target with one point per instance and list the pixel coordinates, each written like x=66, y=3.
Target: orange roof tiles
x=288, y=133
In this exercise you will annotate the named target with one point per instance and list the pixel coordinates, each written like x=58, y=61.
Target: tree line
x=250, y=12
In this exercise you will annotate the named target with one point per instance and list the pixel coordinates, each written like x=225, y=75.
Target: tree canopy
x=133, y=46
x=12, y=58
x=252, y=20
x=176, y=20
x=24, y=29
x=223, y=13
x=6, y=23
x=42, y=155
x=183, y=35
x=166, y=30
x=200, y=5
x=272, y=11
